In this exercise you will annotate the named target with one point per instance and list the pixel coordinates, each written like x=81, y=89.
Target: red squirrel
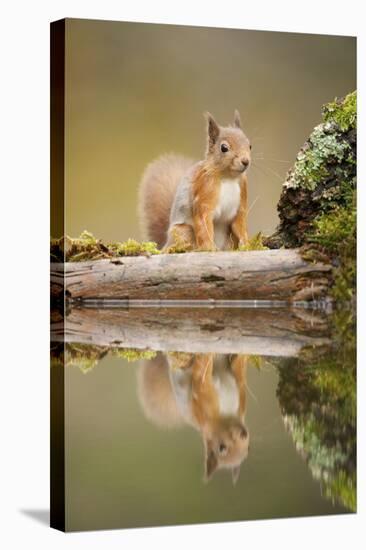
x=202, y=204
x=207, y=392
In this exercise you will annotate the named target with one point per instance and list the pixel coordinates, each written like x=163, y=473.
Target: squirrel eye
x=224, y=148
x=222, y=448
x=250, y=146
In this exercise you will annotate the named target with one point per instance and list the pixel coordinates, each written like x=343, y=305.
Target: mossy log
x=271, y=332
x=257, y=275
x=323, y=178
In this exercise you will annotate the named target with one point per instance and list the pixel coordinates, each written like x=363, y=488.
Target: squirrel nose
x=245, y=162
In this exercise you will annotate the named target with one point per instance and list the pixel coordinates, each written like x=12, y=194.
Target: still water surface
x=275, y=436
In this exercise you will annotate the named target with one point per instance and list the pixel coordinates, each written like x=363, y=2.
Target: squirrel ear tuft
x=213, y=129
x=235, y=472
x=237, y=120
x=211, y=464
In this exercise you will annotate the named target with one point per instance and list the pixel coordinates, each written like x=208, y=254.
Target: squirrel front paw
x=207, y=248
x=243, y=244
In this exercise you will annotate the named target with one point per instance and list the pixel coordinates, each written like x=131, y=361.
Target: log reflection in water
x=272, y=332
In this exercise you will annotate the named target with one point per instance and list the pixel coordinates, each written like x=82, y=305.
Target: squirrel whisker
x=269, y=170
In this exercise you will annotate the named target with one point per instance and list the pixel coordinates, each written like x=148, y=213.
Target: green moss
x=343, y=488
x=254, y=243
x=313, y=254
x=87, y=247
x=87, y=356
x=317, y=395
x=179, y=245
x=332, y=229
x=334, y=233
x=342, y=111
x=133, y=354
x=133, y=248
x=83, y=356
x=257, y=361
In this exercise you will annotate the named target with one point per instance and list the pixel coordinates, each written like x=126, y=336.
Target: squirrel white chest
x=224, y=386
x=229, y=201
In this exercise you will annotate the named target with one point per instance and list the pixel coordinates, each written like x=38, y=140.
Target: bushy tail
x=156, y=195
x=156, y=394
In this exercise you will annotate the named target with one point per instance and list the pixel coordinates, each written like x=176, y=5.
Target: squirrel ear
x=237, y=120
x=211, y=462
x=213, y=129
x=235, y=471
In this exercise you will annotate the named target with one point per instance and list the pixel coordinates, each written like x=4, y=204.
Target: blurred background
x=135, y=91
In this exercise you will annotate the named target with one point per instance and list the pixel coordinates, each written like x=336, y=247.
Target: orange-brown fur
x=155, y=393
x=205, y=187
x=239, y=230
x=156, y=194
x=161, y=179
x=213, y=426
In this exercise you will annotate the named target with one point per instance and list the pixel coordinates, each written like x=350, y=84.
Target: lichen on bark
x=317, y=397
x=317, y=206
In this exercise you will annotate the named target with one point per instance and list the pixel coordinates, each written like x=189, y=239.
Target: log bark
x=281, y=332
x=258, y=275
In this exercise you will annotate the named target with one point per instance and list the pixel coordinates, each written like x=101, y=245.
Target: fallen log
x=257, y=275
x=281, y=332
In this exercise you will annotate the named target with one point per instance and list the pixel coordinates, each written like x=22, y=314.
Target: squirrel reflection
x=206, y=391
